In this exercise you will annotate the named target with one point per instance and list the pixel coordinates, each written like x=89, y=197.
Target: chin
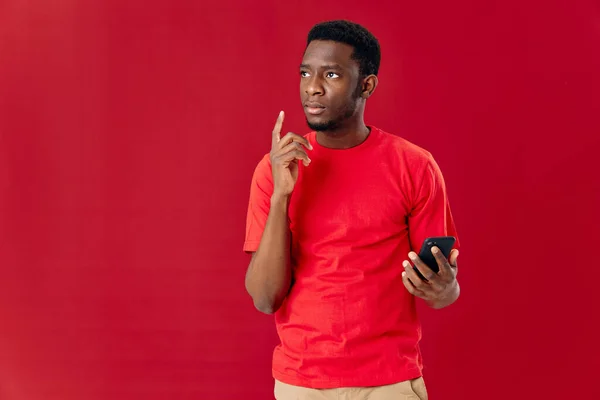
x=317, y=124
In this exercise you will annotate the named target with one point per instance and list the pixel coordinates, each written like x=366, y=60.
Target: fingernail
x=310, y=146
x=434, y=250
x=403, y=274
x=412, y=255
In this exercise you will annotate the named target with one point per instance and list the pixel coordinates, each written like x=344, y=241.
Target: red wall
x=128, y=136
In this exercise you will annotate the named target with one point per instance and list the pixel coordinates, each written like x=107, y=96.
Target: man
x=332, y=217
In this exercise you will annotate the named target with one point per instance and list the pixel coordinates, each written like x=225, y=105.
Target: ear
x=369, y=85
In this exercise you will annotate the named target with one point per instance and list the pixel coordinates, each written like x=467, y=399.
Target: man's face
x=329, y=84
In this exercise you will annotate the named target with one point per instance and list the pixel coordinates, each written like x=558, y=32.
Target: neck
x=344, y=137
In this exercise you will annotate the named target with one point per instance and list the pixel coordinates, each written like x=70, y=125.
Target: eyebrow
x=327, y=66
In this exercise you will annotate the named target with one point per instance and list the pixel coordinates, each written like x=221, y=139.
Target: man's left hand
x=438, y=290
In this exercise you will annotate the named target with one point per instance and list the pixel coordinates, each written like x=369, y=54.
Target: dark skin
x=331, y=78
x=333, y=94
x=440, y=289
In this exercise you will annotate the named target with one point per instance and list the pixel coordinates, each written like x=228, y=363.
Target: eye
x=332, y=75
x=303, y=74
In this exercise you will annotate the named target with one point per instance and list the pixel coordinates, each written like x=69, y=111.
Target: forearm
x=269, y=274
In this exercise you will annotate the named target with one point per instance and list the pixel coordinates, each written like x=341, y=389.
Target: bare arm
x=269, y=274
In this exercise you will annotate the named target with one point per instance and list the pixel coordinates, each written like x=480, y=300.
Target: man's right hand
x=285, y=153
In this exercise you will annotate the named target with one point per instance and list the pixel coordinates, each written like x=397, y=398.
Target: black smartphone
x=444, y=243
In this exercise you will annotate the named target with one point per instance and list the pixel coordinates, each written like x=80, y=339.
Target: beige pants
x=407, y=390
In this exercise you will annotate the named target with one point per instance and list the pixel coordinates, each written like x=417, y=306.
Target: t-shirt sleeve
x=430, y=215
x=261, y=189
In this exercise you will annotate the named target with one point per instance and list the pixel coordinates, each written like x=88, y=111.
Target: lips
x=314, y=108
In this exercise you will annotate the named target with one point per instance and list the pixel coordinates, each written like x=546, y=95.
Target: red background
x=128, y=136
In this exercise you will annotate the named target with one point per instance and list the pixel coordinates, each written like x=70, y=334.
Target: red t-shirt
x=354, y=215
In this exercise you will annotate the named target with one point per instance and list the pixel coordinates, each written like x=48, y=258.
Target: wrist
x=279, y=199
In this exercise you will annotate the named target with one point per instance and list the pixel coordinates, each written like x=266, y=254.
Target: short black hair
x=366, y=46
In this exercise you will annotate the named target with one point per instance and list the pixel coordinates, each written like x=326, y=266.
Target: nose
x=313, y=86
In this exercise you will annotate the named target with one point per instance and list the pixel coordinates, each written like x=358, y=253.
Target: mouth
x=314, y=108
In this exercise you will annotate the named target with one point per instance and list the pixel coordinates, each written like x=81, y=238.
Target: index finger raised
x=277, y=129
